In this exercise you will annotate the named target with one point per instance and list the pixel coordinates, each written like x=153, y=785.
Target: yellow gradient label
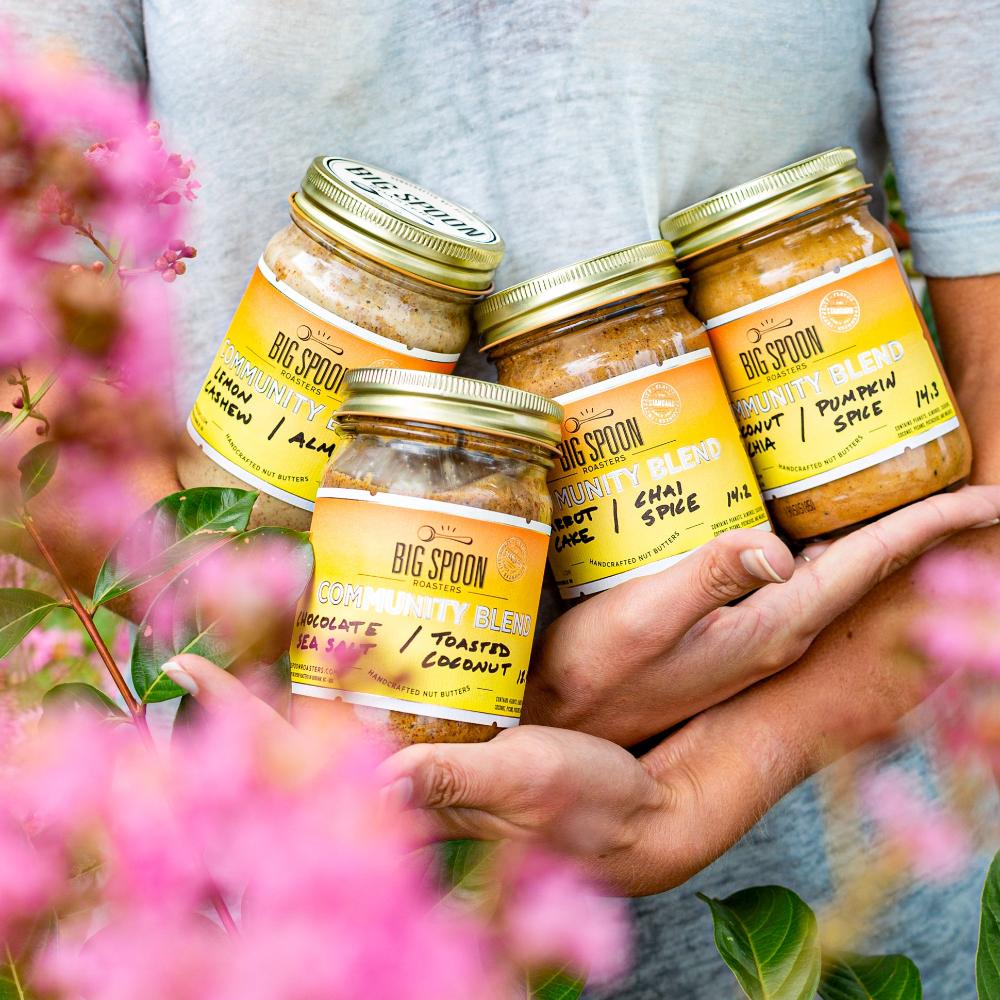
x=832, y=376
x=265, y=409
x=650, y=467
x=419, y=606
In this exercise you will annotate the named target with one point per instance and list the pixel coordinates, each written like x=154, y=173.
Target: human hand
x=579, y=794
x=633, y=661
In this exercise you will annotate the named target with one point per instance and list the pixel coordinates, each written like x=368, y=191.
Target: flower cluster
x=91, y=211
x=132, y=845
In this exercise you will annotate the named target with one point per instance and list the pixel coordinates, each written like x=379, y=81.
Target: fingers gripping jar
x=832, y=374
x=650, y=465
x=430, y=532
x=371, y=271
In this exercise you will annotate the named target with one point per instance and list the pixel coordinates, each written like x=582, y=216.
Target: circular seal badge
x=660, y=403
x=512, y=559
x=840, y=310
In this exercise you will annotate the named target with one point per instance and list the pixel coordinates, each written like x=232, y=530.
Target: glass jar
x=429, y=532
x=371, y=271
x=650, y=465
x=832, y=374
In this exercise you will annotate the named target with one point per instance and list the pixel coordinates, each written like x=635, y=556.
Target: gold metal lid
x=399, y=223
x=763, y=201
x=465, y=403
x=572, y=290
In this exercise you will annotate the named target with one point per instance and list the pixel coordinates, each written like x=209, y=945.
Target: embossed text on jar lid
x=763, y=201
x=399, y=223
x=572, y=290
x=451, y=401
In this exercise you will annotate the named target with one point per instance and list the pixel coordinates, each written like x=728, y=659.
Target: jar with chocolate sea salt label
x=650, y=465
x=371, y=271
x=429, y=532
x=832, y=375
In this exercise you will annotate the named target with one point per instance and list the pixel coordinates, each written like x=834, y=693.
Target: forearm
x=850, y=687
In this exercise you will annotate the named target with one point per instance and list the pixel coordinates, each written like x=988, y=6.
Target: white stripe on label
x=635, y=376
x=434, y=507
x=830, y=278
x=247, y=477
x=607, y=582
x=860, y=464
x=347, y=326
x=409, y=707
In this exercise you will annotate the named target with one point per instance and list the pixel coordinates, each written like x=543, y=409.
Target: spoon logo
x=757, y=333
x=572, y=424
x=444, y=532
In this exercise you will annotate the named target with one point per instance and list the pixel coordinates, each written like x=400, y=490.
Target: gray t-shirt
x=573, y=126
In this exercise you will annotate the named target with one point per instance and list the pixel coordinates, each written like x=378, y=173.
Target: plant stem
x=24, y=413
x=136, y=709
x=222, y=909
x=13, y=972
x=88, y=234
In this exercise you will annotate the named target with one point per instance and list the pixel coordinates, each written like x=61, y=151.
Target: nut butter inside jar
x=650, y=465
x=832, y=374
x=430, y=532
x=371, y=271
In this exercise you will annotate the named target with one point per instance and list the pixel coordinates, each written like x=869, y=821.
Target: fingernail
x=398, y=794
x=756, y=564
x=987, y=524
x=180, y=677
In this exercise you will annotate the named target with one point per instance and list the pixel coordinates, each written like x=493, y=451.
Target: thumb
x=730, y=566
x=213, y=688
x=444, y=775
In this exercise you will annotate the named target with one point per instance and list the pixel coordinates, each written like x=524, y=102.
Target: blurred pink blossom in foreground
x=538, y=885
x=958, y=635
x=333, y=900
x=934, y=843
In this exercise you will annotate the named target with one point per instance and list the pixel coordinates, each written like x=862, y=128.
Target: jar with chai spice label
x=831, y=372
x=371, y=271
x=430, y=532
x=650, y=465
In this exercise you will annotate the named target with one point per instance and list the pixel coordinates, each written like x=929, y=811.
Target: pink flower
x=933, y=842
x=46, y=646
x=30, y=878
x=555, y=917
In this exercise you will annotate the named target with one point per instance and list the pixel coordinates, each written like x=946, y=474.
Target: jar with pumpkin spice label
x=650, y=465
x=430, y=532
x=831, y=372
x=372, y=270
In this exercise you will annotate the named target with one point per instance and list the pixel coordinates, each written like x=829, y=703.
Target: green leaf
x=768, y=938
x=11, y=985
x=8, y=988
x=20, y=611
x=171, y=533
x=988, y=953
x=5, y=417
x=468, y=873
x=37, y=467
x=79, y=697
x=467, y=869
x=554, y=986
x=870, y=977
x=184, y=617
